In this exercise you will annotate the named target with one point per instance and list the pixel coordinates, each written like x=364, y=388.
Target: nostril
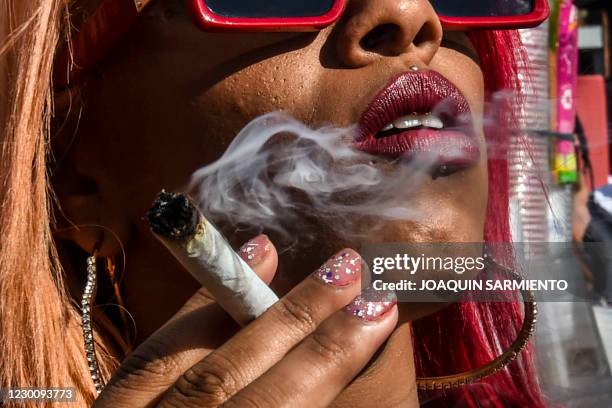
x=381, y=39
x=426, y=34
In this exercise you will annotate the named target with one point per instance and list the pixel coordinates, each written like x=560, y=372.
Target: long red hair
x=468, y=335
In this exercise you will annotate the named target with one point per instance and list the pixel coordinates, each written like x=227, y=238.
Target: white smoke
x=278, y=172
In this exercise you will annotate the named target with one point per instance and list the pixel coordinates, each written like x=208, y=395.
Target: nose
x=374, y=29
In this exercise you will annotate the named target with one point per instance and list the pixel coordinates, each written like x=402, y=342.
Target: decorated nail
x=341, y=269
x=255, y=250
x=372, y=304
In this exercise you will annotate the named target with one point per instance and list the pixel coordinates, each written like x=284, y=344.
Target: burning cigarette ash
x=203, y=251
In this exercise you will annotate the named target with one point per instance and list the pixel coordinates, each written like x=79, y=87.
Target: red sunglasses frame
x=540, y=13
x=209, y=21
x=113, y=18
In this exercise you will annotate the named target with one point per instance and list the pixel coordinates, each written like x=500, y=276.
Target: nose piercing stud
x=414, y=68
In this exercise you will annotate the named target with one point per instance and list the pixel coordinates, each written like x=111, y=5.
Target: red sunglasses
x=113, y=18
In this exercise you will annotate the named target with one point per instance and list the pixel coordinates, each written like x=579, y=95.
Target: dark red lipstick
x=419, y=112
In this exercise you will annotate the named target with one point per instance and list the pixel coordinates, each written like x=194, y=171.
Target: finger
x=263, y=343
x=199, y=327
x=319, y=368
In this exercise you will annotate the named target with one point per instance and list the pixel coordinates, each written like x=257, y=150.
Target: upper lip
x=413, y=92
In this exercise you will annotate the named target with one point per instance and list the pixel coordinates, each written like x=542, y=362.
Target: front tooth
x=432, y=121
x=406, y=122
x=388, y=127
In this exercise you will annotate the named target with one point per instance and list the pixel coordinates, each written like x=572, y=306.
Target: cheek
x=284, y=82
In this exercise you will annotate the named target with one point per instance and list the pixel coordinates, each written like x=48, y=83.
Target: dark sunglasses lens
x=269, y=8
x=483, y=8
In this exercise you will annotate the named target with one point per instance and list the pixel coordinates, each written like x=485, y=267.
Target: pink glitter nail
x=341, y=269
x=255, y=250
x=372, y=304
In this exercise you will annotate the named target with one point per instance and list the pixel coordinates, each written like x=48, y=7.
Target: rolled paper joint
x=205, y=253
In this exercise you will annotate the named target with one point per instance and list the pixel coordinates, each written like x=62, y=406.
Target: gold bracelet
x=467, y=377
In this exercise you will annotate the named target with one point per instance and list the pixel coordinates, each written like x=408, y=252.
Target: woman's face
x=170, y=99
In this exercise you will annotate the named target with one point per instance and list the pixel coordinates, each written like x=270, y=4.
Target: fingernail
x=255, y=250
x=341, y=269
x=372, y=304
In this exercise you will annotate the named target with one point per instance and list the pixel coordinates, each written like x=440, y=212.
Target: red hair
x=482, y=331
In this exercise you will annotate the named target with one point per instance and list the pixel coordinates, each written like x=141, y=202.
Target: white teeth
x=432, y=122
x=407, y=122
x=411, y=121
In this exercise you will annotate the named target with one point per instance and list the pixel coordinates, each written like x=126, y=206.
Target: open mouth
x=420, y=113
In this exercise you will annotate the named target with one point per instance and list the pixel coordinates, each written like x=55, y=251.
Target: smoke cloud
x=278, y=172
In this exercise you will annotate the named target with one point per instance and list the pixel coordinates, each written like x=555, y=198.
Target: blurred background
x=562, y=147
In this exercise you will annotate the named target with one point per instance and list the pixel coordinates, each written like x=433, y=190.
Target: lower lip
x=446, y=146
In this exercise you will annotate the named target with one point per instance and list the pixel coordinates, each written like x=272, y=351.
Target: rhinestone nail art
x=372, y=304
x=255, y=250
x=341, y=269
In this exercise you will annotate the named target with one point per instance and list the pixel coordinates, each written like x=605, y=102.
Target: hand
x=303, y=352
